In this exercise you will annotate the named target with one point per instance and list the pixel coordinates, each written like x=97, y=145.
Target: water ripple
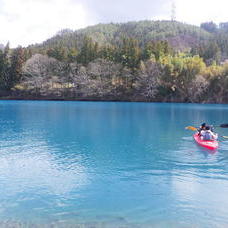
x=120, y=164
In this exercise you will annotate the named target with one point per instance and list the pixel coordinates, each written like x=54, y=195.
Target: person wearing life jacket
x=202, y=128
x=207, y=134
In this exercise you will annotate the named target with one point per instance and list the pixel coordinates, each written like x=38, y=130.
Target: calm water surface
x=117, y=163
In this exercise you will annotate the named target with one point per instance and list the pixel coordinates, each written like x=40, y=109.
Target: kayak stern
x=209, y=144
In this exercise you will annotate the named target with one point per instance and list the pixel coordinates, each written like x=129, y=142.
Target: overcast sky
x=33, y=21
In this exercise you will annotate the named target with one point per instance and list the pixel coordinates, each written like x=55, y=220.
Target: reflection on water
x=109, y=164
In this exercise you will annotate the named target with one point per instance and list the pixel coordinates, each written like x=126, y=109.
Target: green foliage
x=58, y=53
x=72, y=55
x=210, y=52
x=15, y=73
x=130, y=53
x=108, y=52
x=11, y=62
x=179, y=72
x=209, y=27
x=152, y=60
x=143, y=31
x=156, y=49
x=5, y=67
x=89, y=51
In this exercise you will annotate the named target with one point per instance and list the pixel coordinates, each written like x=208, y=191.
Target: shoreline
x=8, y=98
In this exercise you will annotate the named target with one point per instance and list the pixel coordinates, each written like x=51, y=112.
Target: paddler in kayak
x=202, y=128
x=207, y=134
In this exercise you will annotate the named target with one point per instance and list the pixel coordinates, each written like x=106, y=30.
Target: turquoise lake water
x=111, y=163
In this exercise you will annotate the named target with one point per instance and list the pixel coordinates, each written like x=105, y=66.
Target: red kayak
x=209, y=144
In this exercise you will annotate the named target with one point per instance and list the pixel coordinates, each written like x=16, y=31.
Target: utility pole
x=173, y=11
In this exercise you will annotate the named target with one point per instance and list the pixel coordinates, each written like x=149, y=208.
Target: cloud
x=33, y=21
x=196, y=12
x=28, y=21
x=105, y=11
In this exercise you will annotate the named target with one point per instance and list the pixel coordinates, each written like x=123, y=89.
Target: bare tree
x=97, y=80
x=40, y=73
x=197, y=88
x=148, y=79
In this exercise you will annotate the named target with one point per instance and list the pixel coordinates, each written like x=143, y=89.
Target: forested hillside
x=141, y=61
x=181, y=36
x=209, y=40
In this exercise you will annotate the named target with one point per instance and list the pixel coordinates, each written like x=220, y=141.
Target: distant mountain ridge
x=180, y=35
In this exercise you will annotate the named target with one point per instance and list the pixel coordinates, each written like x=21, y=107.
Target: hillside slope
x=181, y=36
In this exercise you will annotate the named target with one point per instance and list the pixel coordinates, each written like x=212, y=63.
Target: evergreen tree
x=89, y=51
x=130, y=53
x=15, y=73
x=5, y=71
x=58, y=53
x=72, y=55
x=156, y=49
x=108, y=52
x=209, y=27
x=210, y=52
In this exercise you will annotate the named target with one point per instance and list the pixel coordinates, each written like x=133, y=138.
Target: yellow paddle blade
x=225, y=137
x=191, y=128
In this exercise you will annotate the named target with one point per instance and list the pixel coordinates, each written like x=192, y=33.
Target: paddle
x=225, y=137
x=191, y=128
x=223, y=126
x=195, y=129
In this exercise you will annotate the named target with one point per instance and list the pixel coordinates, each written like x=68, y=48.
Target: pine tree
x=57, y=52
x=89, y=51
x=72, y=55
x=15, y=73
x=130, y=53
x=5, y=71
x=156, y=49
